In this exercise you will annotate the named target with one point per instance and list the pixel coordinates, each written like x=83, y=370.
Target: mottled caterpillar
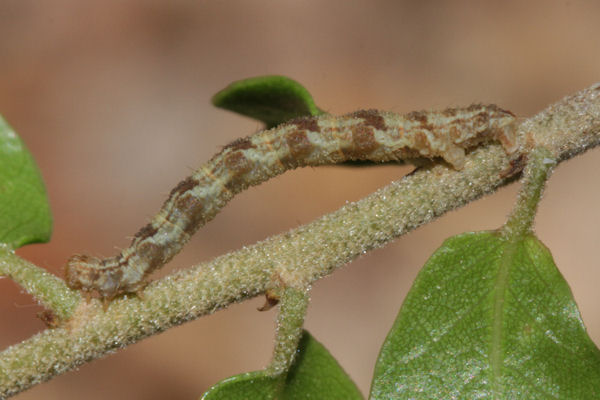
x=363, y=135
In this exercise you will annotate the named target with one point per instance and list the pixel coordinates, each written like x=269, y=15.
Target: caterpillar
x=372, y=135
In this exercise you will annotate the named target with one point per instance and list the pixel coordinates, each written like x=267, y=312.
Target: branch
x=300, y=256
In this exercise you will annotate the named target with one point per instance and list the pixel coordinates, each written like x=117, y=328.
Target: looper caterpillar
x=363, y=135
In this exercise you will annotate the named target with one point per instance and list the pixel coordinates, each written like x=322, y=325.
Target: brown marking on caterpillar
x=449, y=112
x=115, y=275
x=306, y=124
x=299, y=147
x=364, y=135
x=238, y=164
x=185, y=185
x=152, y=252
x=363, y=142
x=272, y=150
x=299, y=144
x=73, y=271
x=147, y=231
x=191, y=206
x=453, y=133
x=419, y=116
x=421, y=142
x=371, y=118
x=240, y=144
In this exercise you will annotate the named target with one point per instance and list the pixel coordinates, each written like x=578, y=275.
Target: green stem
x=48, y=289
x=534, y=179
x=519, y=223
x=292, y=310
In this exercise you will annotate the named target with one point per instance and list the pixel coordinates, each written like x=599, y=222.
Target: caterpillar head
x=92, y=274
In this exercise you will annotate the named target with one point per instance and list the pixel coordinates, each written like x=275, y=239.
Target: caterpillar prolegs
x=363, y=135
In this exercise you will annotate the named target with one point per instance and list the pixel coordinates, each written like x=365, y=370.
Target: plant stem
x=539, y=167
x=292, y=310
x=48, y=289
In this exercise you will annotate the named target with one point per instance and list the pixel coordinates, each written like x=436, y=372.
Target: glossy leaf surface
x=315, y=374
x=488, y=319
x=24, y=210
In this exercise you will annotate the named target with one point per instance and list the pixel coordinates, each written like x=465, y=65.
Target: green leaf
x=270, y=99
x=24, y=210
x=488, y=318
x=315, y=374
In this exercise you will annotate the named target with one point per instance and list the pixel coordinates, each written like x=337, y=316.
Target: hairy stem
x=300, y=256
x=48, y=289
x=536, y=174
x=292, y=310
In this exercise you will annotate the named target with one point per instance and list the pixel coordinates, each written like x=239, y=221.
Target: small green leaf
x=314, y=375
x=488, y=318
x=270, y=99
x=24, y=210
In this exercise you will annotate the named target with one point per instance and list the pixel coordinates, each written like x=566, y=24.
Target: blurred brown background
x=112, y=97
